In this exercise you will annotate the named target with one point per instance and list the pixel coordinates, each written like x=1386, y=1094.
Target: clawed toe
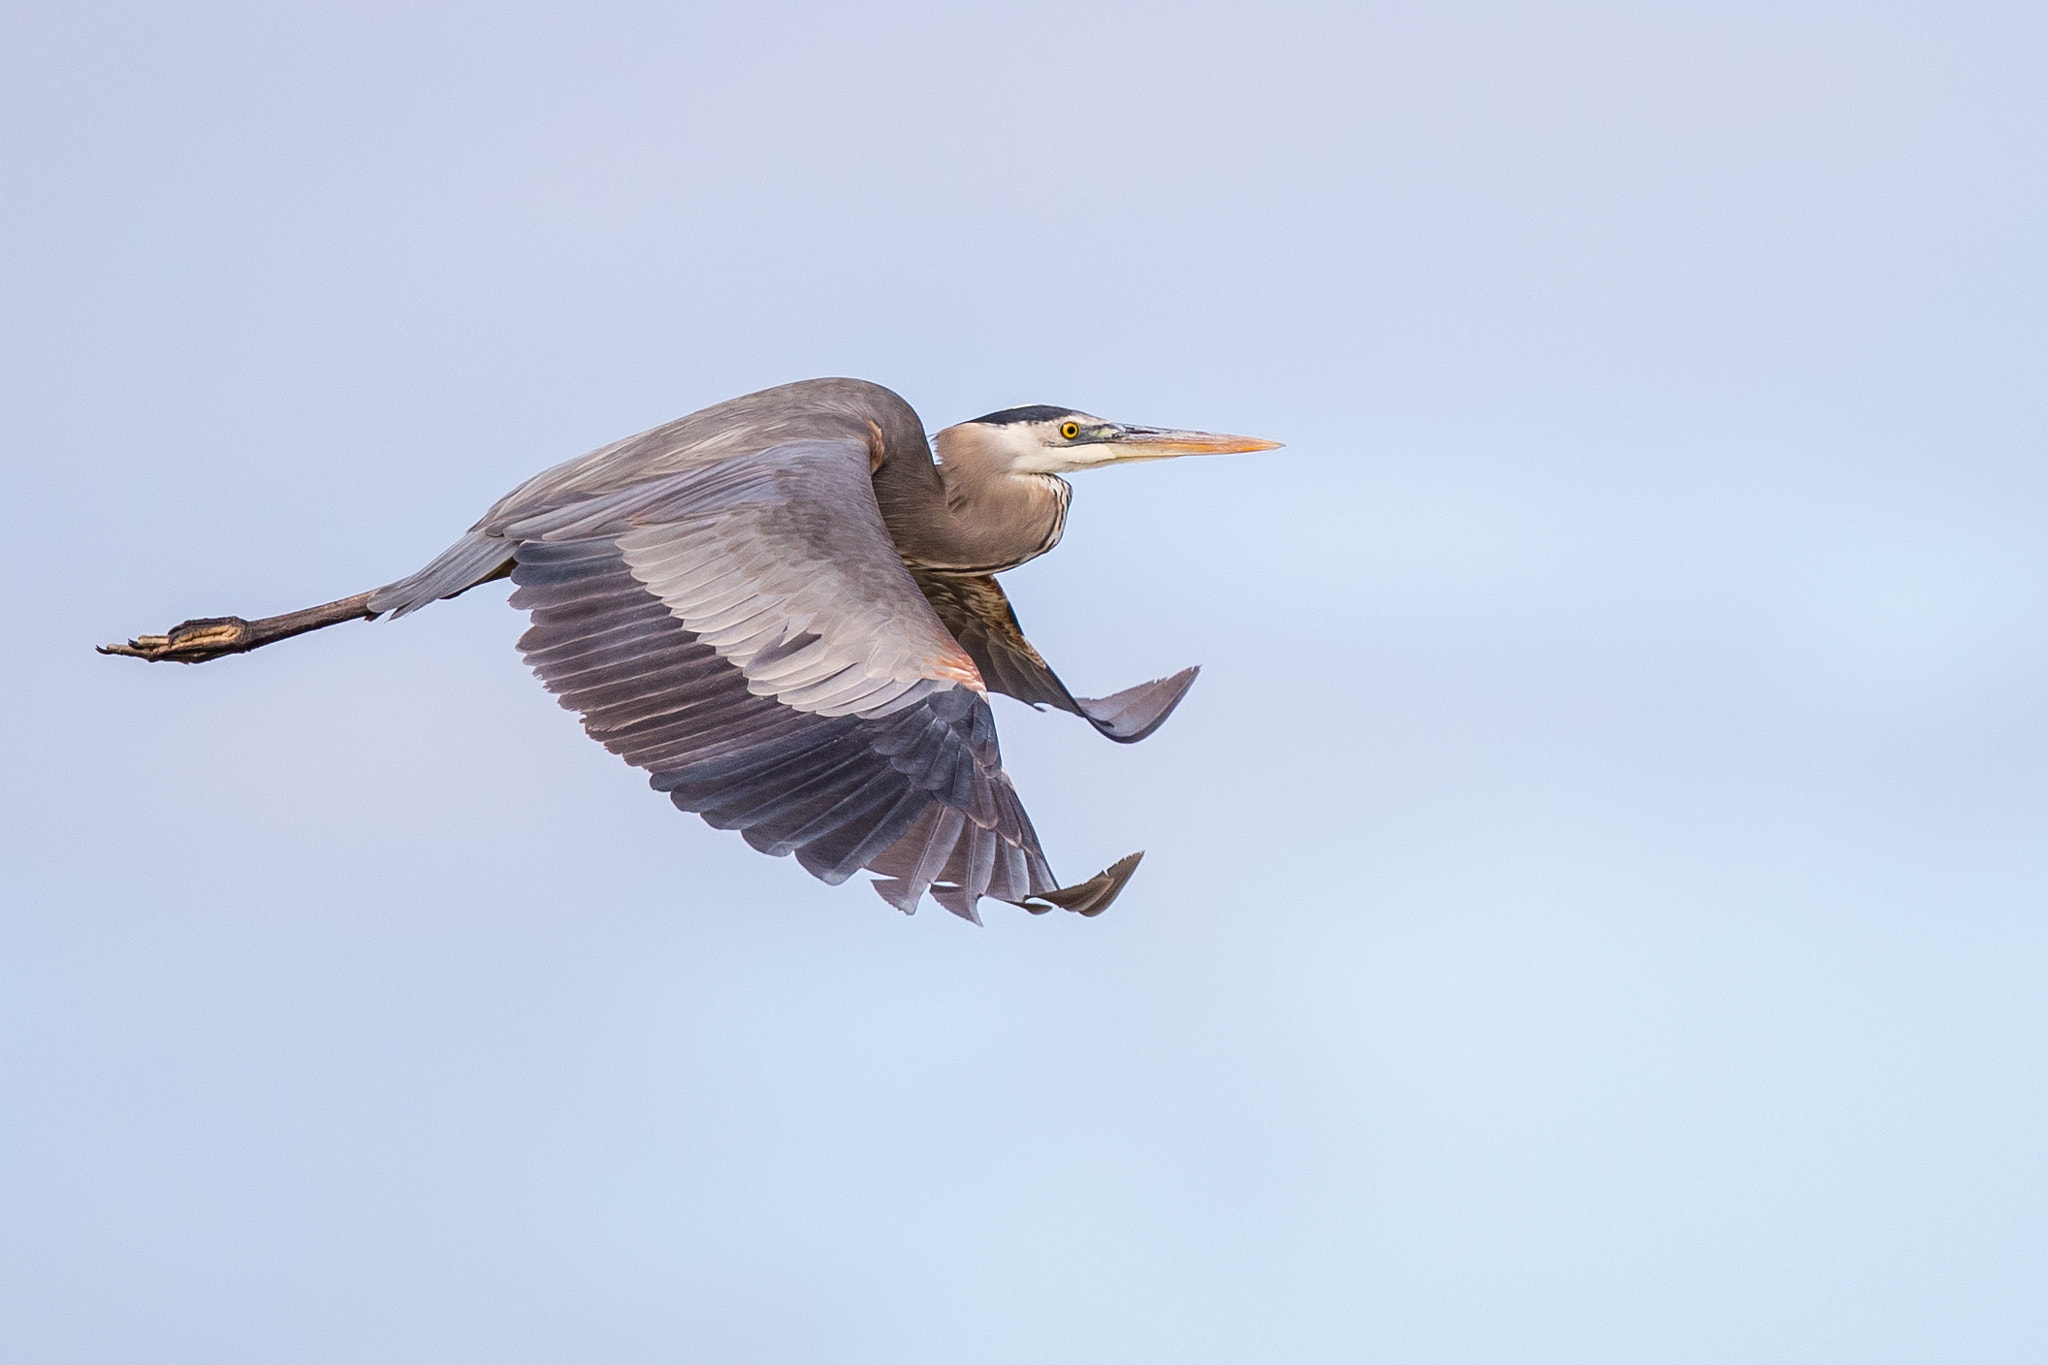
x=189, y=642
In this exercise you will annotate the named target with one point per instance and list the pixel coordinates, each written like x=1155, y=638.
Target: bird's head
x=1050, y=440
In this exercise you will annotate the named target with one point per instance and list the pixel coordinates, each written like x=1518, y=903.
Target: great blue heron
x=784, y=610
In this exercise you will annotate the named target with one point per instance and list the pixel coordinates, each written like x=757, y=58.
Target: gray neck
x=975, y=516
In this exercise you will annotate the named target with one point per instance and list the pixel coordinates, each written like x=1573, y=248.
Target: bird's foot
x=191, y=642
x=212, y=637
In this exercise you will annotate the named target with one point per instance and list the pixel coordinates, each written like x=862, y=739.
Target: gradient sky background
x=1597, y=895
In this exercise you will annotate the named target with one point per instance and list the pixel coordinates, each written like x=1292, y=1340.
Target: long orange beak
x=1155, y=443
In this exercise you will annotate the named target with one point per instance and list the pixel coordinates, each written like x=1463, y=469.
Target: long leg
x=210, y=637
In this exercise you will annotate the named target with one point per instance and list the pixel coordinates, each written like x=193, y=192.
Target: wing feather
x=745, y=631
x=980, y=617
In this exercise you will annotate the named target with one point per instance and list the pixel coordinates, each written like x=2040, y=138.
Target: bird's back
x=807, y=410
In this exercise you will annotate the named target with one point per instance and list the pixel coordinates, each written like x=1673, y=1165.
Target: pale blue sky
x=1596, y=905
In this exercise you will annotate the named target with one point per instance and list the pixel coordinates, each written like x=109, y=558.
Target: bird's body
x=782, y=608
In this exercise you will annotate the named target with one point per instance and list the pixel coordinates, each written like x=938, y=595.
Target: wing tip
x=1092, y=897
x=896, y=891
x=1087, y=899
x=1130, y=715
x=956, y=900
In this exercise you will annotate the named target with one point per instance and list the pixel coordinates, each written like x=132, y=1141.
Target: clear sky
x=1596, y=904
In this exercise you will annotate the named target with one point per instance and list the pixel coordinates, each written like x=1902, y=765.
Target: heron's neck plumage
x=975, y=517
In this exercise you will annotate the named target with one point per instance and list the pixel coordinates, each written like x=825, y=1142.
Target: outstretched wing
x=979, y=616
x=746, y=632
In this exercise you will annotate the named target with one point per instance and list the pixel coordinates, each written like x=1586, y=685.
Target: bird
x=784, y=609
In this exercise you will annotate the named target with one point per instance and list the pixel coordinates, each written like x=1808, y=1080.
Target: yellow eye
x=1070, y=430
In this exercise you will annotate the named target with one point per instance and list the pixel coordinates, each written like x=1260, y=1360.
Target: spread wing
x=980, y=618
x=746, y=632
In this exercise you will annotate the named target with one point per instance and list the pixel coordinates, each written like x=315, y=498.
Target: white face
x=1074, y=441
x=1060, y=446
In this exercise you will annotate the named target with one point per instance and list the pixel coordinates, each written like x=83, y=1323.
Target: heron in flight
x=785, y=611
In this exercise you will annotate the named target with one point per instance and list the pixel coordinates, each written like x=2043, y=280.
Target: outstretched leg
x=209, y=637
